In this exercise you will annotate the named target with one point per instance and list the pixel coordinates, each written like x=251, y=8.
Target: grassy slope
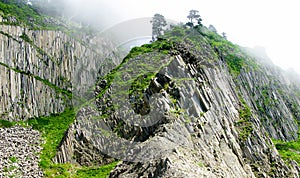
x=289, y=150
x=53, y=128
x=23, y=14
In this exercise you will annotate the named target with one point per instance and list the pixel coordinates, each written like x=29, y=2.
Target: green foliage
x=141, y=83
x=288, y=150
x=26, y=38
x=19, y=13
x=177, y=32
x=234, y=63
x=6, y=124
x=72, y=171
x=52, y=128
x=161, y=45
x=244, y=125
x=158, y=23
x=13, y=159
x=234, y=56
x=200, y=164
x=102, y=171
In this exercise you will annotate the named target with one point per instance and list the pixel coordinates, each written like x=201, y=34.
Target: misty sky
x=272, y=24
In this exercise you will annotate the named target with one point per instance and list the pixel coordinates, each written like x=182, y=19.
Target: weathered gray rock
x=199, y=140
x=19, y=152
x=187, y=123
x=38, y=68
x=202, y=126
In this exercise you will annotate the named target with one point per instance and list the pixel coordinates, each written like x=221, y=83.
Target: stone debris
x=19, y=152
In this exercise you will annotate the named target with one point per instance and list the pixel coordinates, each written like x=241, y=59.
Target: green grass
x=234, y=56
x=72, y=171
x=160, y=45
x=102, y=171
x=6, y=124
x=53, y=129
x=288, y=150
x=141, y=83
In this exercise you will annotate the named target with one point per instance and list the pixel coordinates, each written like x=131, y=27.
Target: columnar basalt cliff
x=190, y=104
x=42, y=70
x=217, y=111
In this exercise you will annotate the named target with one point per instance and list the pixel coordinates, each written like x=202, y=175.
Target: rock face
x=19, y=152
x=42, y=70
x=178, y=110
x=194, y=119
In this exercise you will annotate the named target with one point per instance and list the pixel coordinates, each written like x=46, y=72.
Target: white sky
x=273, y=24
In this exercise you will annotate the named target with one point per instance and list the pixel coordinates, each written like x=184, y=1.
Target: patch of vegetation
x=244, y=125
x=288, y=150
x=176, y=34
x=259, y=107
x=235, y=64
x=53, y=129
x=141, y=83
x=268, y=101
x=162, y=45
x=200, y=164
x=234, y=56
x=6, y=124
x=102, y=171
x=13, y=159
x=72, y=171
x=16, y=12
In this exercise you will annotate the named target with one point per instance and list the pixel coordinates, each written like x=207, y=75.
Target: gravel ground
x=19, y=152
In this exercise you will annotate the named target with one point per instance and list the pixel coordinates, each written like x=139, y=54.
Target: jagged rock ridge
x=215, y=127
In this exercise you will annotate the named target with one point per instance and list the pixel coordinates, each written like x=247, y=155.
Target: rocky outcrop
x=272, y=98
x=19, y=152
x=181, y=114
x=211, y=127
x=42, y=70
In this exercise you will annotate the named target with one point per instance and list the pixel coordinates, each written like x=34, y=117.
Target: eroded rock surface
x=19, y=152
x=42, y=71
x=198, y=135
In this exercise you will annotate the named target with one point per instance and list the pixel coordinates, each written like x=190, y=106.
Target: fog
x=271, y=24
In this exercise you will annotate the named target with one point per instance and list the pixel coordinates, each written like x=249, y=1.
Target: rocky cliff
x=43, y=70
x=191, y=104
